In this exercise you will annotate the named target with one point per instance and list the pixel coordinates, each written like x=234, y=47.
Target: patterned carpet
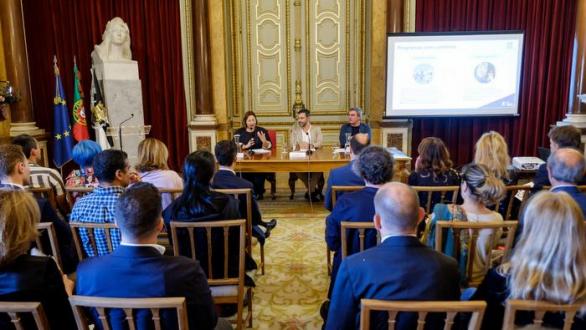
x=295, y=284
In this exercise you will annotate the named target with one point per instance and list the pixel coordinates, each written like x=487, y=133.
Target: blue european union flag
x=63, y=142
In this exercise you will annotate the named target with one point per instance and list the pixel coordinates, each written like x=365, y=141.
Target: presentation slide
x=472, y=74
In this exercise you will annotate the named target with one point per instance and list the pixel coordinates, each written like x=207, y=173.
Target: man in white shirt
x=305, y=136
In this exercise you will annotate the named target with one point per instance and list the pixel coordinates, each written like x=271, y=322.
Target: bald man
x=565, y=169
x=344, y=175
x=400, y=268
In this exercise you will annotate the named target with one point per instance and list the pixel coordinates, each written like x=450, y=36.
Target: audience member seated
x=140, y=263
x=29, y=278
x=345, y=175
x=14, y=175
x=305, y=136
x=254, y=137
x=152, y=167
x=84, y=153
x=226, y=178
x=559, y=137
x=375, y=166
x=433, y=167
x=353, y=126
x=400, y=268
x=548, y=263
x=479, y=189
x=199, y=203
x=42, y=176
x=112, y=170
x=491, y=150
x=565, y=168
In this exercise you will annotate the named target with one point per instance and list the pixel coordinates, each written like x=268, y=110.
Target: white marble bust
x=115, y=46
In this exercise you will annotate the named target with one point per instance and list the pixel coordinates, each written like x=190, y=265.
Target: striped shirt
x=97, y=207
x=46, y=177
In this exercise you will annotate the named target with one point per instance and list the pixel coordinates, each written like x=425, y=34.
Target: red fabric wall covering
x=71, y=28
x=549, y=29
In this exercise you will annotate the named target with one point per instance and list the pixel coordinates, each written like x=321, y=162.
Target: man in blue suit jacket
x=345, y=176
x=566, y=168
x=138, y=268
x=375, y=166
x=226, y=178
x=401, y=268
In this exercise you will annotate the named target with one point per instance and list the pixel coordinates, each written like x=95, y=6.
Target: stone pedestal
x=202, y=132
x=122, y=92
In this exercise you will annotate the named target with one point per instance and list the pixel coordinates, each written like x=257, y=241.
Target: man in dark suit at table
x=344, y=175
x=566, y=168
x=138, y=268
x=375, y=166
x=15, y=174
x=400, y=268
x=226, y=178
x=559, y=137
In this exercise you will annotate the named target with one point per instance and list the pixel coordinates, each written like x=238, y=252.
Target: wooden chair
x=225, y=290
x=335, y=191
x=52, y=236
x=14, y=308
x=248, y=196
x=512, y=192
x=45, y=192
x=423, y=308
x=79, y=303
x=581, y=188
x=173, y=192
x=474, y=228
x=91, y=227
x=432, y=191
x=539, y=308
x=361, y=227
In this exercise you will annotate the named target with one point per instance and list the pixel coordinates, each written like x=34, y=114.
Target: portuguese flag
x=80, y=131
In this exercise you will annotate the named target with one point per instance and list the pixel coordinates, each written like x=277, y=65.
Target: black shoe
x=315, y=197
x=306, y=196
x=271, y=224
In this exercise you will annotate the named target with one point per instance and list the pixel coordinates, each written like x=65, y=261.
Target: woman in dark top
x=548, y=264
x=254, y=137
x=198, y=203
x=433, y=167
x=24, y=277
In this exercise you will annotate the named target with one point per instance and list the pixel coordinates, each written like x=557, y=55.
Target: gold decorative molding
x=409, y=16
x=187, y=54
x=297, y=44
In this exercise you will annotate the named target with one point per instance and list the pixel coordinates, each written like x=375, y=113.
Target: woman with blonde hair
x=433, y=167
x=152, y=168
x=548, y=263
x=24, y=277
x=491, y=150
x=480, y=189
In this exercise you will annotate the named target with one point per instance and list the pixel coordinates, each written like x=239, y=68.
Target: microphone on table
x=308, y=152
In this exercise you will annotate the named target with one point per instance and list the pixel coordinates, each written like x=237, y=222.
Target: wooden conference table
x=322, y=160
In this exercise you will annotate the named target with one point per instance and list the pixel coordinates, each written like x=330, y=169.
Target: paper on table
x=297, y=154
x=339, y=150
x=261, y=151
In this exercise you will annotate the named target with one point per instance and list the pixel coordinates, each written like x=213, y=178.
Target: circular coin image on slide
x=423, y=74
x=484, y=72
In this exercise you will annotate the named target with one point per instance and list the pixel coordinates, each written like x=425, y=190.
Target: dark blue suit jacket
x=355, y=206
x=341, y=176
x=227, y=180
x=142, y=272
x=401, y=268
x=573, y=191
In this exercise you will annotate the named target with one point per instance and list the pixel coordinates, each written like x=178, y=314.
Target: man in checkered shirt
x=113, y=172
x=42, y=176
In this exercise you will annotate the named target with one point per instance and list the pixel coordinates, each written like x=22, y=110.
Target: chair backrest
x=361, y=227
x=273, y=137
x=15, y=308
x=511, y=193
x=247, y=193
x=173, y=192
x=90, y=228
x=78, y=303
x=582, y=189
x=79, y=190
x=207, y=226
x=45, y=192
x=434, y=191
x=474, y=228
x=53, y=244
x=539, y=308
x=340, y=189
x=423, y=308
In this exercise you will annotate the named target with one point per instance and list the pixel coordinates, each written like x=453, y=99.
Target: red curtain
x=549, y=29
x=69, y=28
